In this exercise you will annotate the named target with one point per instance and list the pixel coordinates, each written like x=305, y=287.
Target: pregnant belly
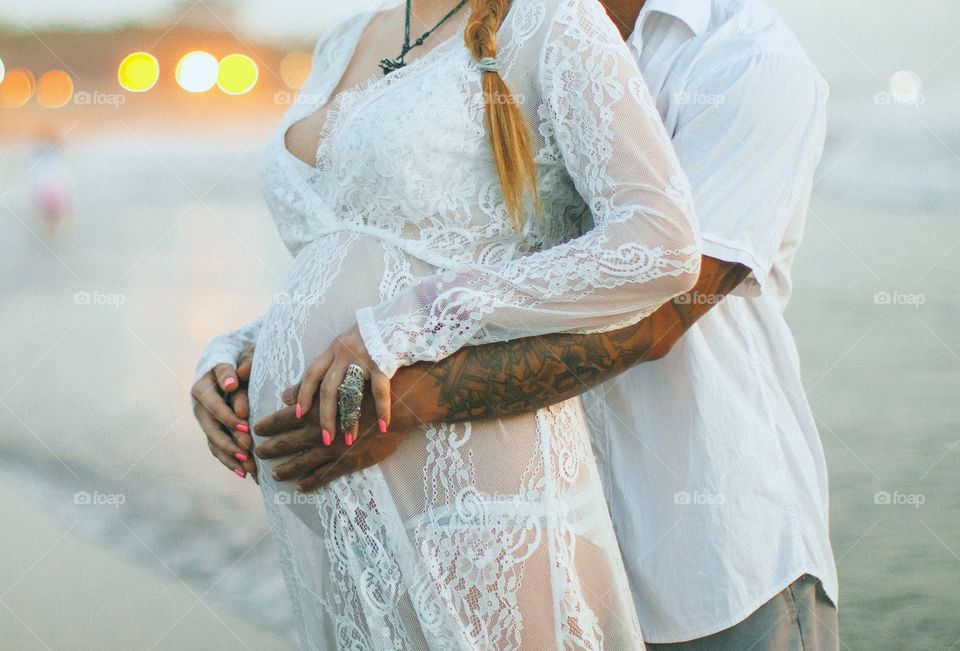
x=329, y=280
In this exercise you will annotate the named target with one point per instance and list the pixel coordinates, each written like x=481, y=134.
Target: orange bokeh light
x=17, y=88
x=295, y=68
x=55, y=89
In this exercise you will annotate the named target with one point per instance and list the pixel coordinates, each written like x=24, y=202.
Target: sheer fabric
x=492, y=534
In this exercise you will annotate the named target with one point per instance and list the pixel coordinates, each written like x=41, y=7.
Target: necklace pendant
x=389, y=65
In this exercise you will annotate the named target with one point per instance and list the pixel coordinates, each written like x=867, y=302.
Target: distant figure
x=50, y=189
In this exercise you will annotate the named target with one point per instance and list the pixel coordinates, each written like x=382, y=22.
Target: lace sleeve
x=598, y=120
x=226, y=348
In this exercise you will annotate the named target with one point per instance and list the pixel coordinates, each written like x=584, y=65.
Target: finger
x=325, y=474
x=290, y=394
x=206, y=393
x=279, y=422
x=312, y=379
x=216, y=434
x=245, y=364
x=380, y=387
x=301, y=465
x=232, y=464
x=239, y=402
x=328, y=402
x=226, y=377
x=351, y=436
x=286, y=444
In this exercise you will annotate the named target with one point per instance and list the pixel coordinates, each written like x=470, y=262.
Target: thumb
x=291, y=394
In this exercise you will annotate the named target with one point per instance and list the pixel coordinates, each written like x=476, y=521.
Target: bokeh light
x=905, y=87
x=17, y=88
x=54, y=89
x=139, y=72
x=295, y=68
x=3, y=71
x=237, y=74
x=197, y=72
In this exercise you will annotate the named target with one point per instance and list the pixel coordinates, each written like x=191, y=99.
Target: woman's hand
x=221, y=409
x=311, y=463
x=328, y=371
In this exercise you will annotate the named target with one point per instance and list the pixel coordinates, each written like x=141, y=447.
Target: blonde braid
x=509, y=132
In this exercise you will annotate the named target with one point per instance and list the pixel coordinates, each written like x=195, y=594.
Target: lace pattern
x=484, y=535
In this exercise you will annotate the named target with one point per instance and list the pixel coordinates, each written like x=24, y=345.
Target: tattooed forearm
x=519, y=376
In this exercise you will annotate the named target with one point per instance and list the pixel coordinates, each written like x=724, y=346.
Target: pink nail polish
x=241, y=457
x=348, y=439
x=299, y=411
x=229, y=383
x=239, y=473
x=382, y=424
x=243, y=428
x=327, y=439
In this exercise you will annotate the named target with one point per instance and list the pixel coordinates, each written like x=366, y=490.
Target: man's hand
x=221, y=408
x=315, y=464
x=490, y=381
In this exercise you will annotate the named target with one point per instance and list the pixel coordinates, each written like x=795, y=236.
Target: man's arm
x=489, y=381
x=522, y=375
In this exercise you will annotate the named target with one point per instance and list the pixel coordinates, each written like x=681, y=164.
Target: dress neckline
x=333, y=105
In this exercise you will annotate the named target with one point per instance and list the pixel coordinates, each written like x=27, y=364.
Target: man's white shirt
x=710, y=457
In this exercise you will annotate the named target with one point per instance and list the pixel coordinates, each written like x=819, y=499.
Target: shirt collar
x=695, y=13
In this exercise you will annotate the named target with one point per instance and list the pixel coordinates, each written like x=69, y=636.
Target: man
x=710, y=458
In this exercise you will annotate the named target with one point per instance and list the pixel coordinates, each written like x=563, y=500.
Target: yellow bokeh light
x=197, y=72
x=295, y=68
x=237, y=74
x=17, y=88
x=3, y=71
x=139, y=72
x=54, y=89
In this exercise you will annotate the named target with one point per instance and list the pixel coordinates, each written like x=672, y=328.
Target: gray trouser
x=801, y=618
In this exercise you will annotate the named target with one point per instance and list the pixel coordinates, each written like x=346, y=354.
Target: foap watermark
x=295, y=499
x=96, y=498
x=696, y=498
x=698, y=298
x=99, y=298
x=904, y=89
x=286, y=98
x=96, y=98
x=899, y=298
x=896, y=498
x=518, y=99
x=295, y=298
x=685, y=98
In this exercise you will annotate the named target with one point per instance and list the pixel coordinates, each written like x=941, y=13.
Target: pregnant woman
x=505, y=176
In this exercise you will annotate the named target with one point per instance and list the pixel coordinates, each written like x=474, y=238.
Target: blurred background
x=132, y=231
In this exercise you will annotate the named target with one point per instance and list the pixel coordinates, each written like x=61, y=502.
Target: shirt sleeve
x=598, y=120
x=226, y=348
x=749, y=136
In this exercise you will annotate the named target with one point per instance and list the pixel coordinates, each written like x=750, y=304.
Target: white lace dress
x=491, y=534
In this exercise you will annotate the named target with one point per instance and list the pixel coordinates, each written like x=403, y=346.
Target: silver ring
x=349, y=397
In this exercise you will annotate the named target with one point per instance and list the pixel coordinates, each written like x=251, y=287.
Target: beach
x=123, y=532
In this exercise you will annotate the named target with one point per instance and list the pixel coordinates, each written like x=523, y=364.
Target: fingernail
x=241, y=457
x=348, y=439
x=327, y=439
x=239, y=473
x=243, y=428
x=382, y=424
x=229, y=383
x=299, y=411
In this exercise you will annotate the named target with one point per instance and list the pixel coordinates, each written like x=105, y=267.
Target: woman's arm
x=492, y=381
x=598, y=118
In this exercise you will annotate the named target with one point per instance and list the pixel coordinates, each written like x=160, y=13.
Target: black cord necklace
x=388, y=65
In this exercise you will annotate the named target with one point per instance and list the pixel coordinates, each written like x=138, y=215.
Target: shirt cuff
x=753, y=285
x=387, y=362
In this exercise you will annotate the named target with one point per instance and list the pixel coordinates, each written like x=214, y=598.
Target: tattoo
x=522, y=375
